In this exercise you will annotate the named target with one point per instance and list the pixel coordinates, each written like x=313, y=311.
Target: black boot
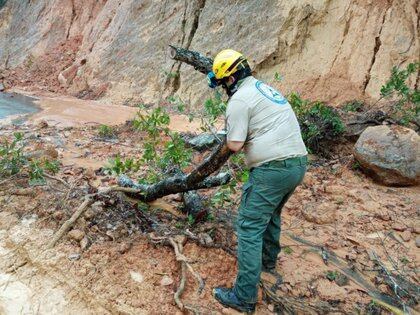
x=228, y=298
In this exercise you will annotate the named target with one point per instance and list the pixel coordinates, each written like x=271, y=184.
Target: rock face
x=390, y=154
x=329, y=50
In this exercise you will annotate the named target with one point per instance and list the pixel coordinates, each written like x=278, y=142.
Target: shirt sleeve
x=237, y=120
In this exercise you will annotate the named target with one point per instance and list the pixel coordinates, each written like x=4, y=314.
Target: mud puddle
x=64, y=111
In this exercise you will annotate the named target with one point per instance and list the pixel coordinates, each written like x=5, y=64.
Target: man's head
x=229, y=67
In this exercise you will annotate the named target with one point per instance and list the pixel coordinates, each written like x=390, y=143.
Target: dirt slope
x=118, y=271
x=331, y=50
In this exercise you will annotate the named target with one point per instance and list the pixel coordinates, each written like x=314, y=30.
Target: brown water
x=66, y=111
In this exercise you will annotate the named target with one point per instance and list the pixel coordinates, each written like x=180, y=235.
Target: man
x=260, y=121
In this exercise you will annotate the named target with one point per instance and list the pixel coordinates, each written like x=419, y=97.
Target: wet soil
x=120, y=272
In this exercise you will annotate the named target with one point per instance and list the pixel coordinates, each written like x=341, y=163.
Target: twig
x=69, y=223
x=57, y=179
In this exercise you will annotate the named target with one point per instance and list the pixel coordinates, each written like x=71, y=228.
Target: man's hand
x=235, y=146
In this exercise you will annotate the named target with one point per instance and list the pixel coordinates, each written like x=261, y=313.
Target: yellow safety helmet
x=226, y=63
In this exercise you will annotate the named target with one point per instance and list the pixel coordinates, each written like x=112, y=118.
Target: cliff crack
x=345, y=32
x=198, y=7
x=73, y=16
x=378, y=44
x=194, y=26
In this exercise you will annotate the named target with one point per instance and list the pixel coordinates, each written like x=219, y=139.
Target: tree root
x=185, y=266
x=88, y=200
x=57, y=179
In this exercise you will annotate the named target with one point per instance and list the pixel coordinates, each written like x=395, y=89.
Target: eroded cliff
x=326, y=49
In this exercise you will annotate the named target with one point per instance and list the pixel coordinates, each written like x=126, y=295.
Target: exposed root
x=57, y=179
x=185, y=266
x=181, y=287
x=294, y=305
x=88, y=200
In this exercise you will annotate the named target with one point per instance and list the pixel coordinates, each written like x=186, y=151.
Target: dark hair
x=244, y=70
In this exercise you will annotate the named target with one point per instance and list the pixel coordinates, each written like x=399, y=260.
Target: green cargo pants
x=258, y=225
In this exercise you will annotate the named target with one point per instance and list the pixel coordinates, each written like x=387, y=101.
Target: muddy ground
x=107, y=264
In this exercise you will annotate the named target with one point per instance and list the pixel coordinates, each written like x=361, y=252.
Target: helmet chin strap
x=230, y=90
x=238, y=76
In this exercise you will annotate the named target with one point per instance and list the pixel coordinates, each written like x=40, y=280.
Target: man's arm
x=237, y=119
x=235, y=146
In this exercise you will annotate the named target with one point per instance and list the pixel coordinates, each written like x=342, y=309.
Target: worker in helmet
x=260, y=121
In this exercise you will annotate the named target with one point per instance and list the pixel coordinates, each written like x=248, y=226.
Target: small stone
x=58, y=215
x=406, y=235
x=2, y=87
x=416, y=229
x=166, y=281
x=74, y=256
x=42, y=124
x=341, y=279
x=399, y=227
x=84, y=243
x=206, y=239
x=319, y=213
x=418, y=241
x=89, y=214
x=97, y=206
x=124, y=247
x=76, y=235
x=136, y=276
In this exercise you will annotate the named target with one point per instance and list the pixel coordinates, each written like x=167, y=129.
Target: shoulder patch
x=270, y=93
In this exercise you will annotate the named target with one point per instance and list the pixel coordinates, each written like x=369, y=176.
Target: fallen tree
x=198, y=178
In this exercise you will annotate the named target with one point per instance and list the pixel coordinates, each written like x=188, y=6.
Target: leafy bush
x=353, y=106
x=106, y=132
x=36, y=174
x=13, y=161
x=118, y=166
x=11, y=156
x=213, y=109
x=52, y=166
x=163, y=148
x=319, y=123
x=407, y=107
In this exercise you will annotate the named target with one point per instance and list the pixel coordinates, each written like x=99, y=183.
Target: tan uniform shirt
x=262, y=118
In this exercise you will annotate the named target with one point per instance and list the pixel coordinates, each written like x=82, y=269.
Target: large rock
x=391, y=155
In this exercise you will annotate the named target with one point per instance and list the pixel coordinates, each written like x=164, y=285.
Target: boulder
x=66, y=77
x=390, y=154
x=1, y=87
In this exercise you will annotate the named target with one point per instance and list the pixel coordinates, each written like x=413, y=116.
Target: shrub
x=353, y=106
x=106, y=132
x=36, y=174
x=11, y=156
x=407, y=106
x=319, y=123
x=163, y=148
x=13, y=161
x=214, y=107
x=118, y=166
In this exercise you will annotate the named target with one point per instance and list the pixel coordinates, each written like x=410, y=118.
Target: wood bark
x=193, y=205
x=193, y=58
x=195, y=180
